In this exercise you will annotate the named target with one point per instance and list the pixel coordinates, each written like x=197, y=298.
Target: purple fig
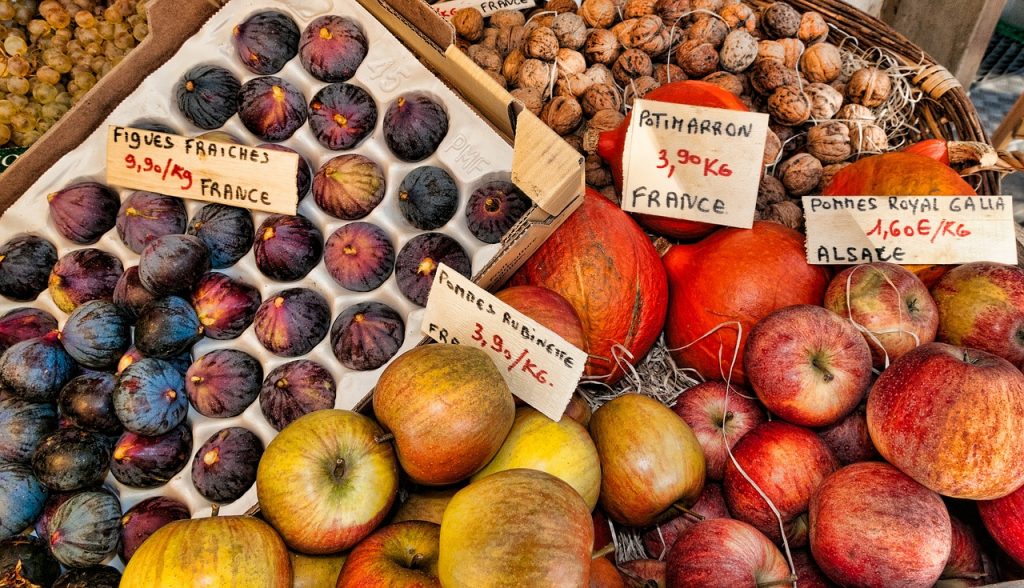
x=147, y=462
x=414, y=126
x=23, y=425
x=223, y=383
x=167, y=328
x=367, y=335
x=71, y=459
x=227, y=232
x=53, y=502
x=287, y=247
x=207, y=96
x=96, y=334
x=83, y=212
x=271, y=108
x=493, y=208
x=130, y=294
x=224, y=467
x=225, y=306
x=304, y=175
x=295, y=389
x=349, y=186
x=83, y=275
x=25, y=265
x=342, y=115
x=85, y=529
x=418, y=260
x=266, y=41
x=149, y=397
x=332, y=47
x=98, y=576
x=144, y=216
x=24, y=323
x=292, y=322
x=143, y=519
x=87, y=402
x=359, y=256
x=180, y=362
x=428, y=197
x=173, y=264
x=36, y=369
x=26, y=561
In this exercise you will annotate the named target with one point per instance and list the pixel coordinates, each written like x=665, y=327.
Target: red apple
x=549, y=308
x=1004, y=519
x=808, y=574
x=849, y=439
x=873, y=526
x=981, y=305
x=641, y=571
x=725, y=553
x=401, y=554
x=424, y=504
x=807, y=365
x=710, y=505
x=716, y=422
x=888, y=301
x=788, y=463
x=950, y=417
x=966, y=564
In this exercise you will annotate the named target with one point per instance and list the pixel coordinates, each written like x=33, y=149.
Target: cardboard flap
x=545, y=166
x=427, y=21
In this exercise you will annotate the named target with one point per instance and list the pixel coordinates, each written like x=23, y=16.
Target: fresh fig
x=332, y=47
x=83, y=212
x=97, y=576
x=349, y=186
x=207, y=96
x=227, y=232
x=167, y=328
x=342, y=115
x=25, y=265
x=266, y=41
x=180, y=362
x=225, y=306
x=414, y=126
x=493, y=208
x=83, y=275
x=36, y=369
x=367, y=335
x=84, y=531
x=428, y=197
x=173, y=264
x=271, y=108
x=21, y=498
x=304, y=175
x=143, y=519
x=130, y=294
x=147, y=462
x=223, y=383
x=24, y=323
x=295, y=389
x=53, y=502
x=418, y=260
x=71, y=459
x=287, y=247
x=144, y=216
x=87, y=402
x=220, y=137
x=96, y=334
x=291, y=322
x=149, y=397
x=152, y=125
x=224, y=468
x=33, y=561
x=359, y=256
x=22, y=426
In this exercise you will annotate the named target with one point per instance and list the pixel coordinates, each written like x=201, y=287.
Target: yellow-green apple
x=873, y=526
x=716, y=421
x=966, y=564
x=807, y=365
x=400, y=554
x=725, y=553
x=889, y=302
x=1004, y=519
x=604, y=575
x=788, y=463
x=448, y=408
x=710, y=505
x=849, y=439
x=425, y=504
x=981, y=305
x=808, y=574
x=950, y=418
x=315, y=571
x=650, y=459
x=642, y=571
x=516, y=528
x=327, y=480
x=563, y=449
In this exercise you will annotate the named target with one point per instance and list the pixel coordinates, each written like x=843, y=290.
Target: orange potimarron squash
x=604, y=264
x=734, y=276
x=612, y=143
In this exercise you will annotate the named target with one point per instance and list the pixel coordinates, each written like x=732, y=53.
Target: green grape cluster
x=53, y=52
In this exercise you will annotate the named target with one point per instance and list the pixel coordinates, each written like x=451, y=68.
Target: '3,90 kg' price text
x=514, y=359
x=164, y=170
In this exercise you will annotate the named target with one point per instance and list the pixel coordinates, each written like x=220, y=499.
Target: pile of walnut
x=578, y=68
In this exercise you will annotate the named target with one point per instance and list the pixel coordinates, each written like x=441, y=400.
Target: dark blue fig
x=38, y=567
x=173, y=264
x=25, y=265
x=418, y=260
x=144, y=216
x=84, y=531
x=71, y=459
x=130, y=294
x=342, y=115
x=366, y=335
x=207, y=96
x=414, y=126
x=21, y=498
x=83, y=212
x=223, y=383
x=180, y=362
x=22, y=426
x=266, y=41
x=91, y=577
x=225, y=306
x=167, y=328
x=295, y=389
x=292, y=322
x=147, y=462
x=149, y=397
x=36, y=369
x=87, y=402
x=493, y=208
x=150, y=125
x=224, y=467
x=83, y=275
x=96, y=334
x=332, y=47
x=304, y=175
x=287, y=247
x=53, y=502
x=24, y=323
x=428, y=198
x=227, y=232
x=349, y=186
x=359, y=256
x=271, y=108
x=143, y=519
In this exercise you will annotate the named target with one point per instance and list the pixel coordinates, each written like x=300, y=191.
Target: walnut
x=813, y=28
x=576, y=142
x=645, y=33
x=667, y=73
x=786, y=134
x=534, y=73
x=638, y=8
x=739, y=16
x=851, y=113
x=793, y=49
x=600, y=74
x=769, y=75
x=507, y=17
x=771, y=50
x=601, y=47
x=570, y=62
x=709, y=5
x=600, y=97
x=869, y=86
x=671, y=11
x=726, y=81
x=638, y=88
x=485, y=57
x=497, y=77
x=538, y=18
x=560, y=6
x=829, y=172
x=825, y=101
x=599, y=13
x=573, y=85
x=772, y=148
x=468, y=23
x=780, y=20
x=697, y=58
x=769, y=191
x=708, y=29
x=598, y=174
x=603, y=120
x=541, y=43
x=621, y=30
x=490, y=38
x=800, y=174
x=563, y=114
x=822, y=62
x=462, y=44
x=509, y=39
x=570, y=30
x=513, y=63
x=633, y=63
x=868, y=138
x=738, y=51
x=787, y=213
x=829, y=142
x=532, y=98
x=789, y=105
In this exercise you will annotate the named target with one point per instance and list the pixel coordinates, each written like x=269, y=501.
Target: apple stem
x=783, y=582
x=416, y=560
x=384, y=438
x=339, y=469
x=682, y=509
x=825, y=374
x=965, y=576
x=610, y=548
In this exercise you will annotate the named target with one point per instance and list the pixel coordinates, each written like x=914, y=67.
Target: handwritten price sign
x=909, y=229
x=693, y=163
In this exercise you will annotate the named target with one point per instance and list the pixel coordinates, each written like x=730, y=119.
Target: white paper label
x=849, y=230
x=540, y=367
x=693, y=163
x=488, y=7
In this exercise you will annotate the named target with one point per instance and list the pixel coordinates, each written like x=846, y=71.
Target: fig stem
x=339, y=469
x=610, y=548
x=682, y=509
x=782, y=582
x=384, y=438
x=214, y=510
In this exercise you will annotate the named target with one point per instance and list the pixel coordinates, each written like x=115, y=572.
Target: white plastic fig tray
x=388, y=70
